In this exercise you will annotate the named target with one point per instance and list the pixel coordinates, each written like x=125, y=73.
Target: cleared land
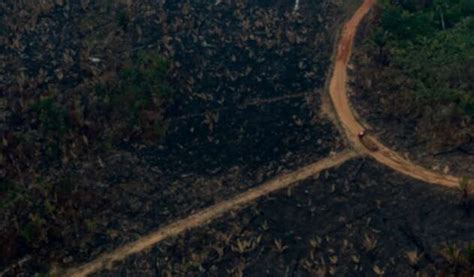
x=244, y=109
x=355, y=219
x=338, y=93
x=358, y=219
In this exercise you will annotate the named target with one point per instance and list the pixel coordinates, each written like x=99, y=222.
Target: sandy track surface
x=205, y=216
x=351, y=126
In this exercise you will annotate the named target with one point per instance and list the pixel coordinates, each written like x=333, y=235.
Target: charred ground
x=358, y=219
x=239, y=101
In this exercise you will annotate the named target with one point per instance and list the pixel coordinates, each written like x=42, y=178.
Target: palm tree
x=440, y=7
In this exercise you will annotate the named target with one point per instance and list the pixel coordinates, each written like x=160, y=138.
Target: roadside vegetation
x=423, y=57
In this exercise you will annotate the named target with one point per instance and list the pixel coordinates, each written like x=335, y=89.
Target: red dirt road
x=351, y=126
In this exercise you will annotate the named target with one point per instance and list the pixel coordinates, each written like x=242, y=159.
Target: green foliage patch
x=432, y=42
x=137, y=100
x=58, y=126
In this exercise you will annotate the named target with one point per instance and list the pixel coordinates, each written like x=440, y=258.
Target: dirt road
x=351, y=126
x=213, y=212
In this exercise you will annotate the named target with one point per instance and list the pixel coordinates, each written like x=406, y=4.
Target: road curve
x=351, y=126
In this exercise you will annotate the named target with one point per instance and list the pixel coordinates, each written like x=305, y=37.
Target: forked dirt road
x=351, y=126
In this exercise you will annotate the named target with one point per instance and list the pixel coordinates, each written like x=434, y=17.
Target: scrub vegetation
x=422, y=52
x=433, y=43
x=413, y=80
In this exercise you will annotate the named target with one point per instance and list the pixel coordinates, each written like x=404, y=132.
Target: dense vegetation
x=425, y=57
